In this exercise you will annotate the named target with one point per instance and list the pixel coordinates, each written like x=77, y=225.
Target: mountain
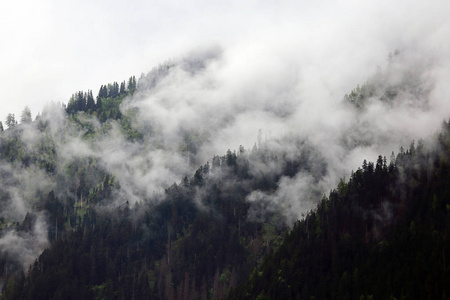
x=123, y=196
x=383, y=234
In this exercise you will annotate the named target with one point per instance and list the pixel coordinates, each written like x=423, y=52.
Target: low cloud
x=22, y=247
x=223, y=104
x=282, y=71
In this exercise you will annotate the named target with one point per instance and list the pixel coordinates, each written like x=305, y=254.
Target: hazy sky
x=50, y=49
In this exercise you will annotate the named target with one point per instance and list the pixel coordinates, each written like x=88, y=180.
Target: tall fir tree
x=25, y=118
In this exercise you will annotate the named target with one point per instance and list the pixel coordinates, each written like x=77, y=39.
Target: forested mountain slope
x=123, y=195
x=197, y=238
x=383, y=234
x=181, y=243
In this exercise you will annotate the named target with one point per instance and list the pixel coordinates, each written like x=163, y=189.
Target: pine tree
x=122, y=88
x=10, y=120
x=25, y=118
x=115, y=89
x=102, y=93
x=132, y=84
x=90, y=103
x=81, y=101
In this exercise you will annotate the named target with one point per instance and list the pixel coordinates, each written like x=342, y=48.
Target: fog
x=265, y=73
x=52, y=49
x=224, y=103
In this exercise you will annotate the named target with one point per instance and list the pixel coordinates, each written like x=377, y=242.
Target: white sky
x=50, y=49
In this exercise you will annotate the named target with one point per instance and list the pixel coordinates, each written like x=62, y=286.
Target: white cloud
x=280, y=66
x=52, y=48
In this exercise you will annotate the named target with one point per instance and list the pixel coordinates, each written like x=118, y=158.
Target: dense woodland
x=383, y=233
x=166, y=247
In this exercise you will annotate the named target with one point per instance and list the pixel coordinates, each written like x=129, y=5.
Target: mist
x=280, y=79
x=221, y=103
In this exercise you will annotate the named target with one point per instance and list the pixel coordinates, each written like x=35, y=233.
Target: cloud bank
x=216, y=99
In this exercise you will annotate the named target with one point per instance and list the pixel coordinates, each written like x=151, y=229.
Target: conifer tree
x=122, y=88
x=132, y=84
x=81, y=101
x=90, y=103
x=25, y=118
x=10, y=120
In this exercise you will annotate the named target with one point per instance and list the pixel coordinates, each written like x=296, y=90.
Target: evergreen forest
x=100, y=201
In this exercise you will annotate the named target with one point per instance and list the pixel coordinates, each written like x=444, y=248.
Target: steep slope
x=199, y=238
x=104, y=197
x=384, y=234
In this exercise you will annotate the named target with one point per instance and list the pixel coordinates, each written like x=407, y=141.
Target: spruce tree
x=25, y=118
x=10, y=120
x=90, y=103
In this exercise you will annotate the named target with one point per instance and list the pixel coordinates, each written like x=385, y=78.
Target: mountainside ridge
x=125, y=196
